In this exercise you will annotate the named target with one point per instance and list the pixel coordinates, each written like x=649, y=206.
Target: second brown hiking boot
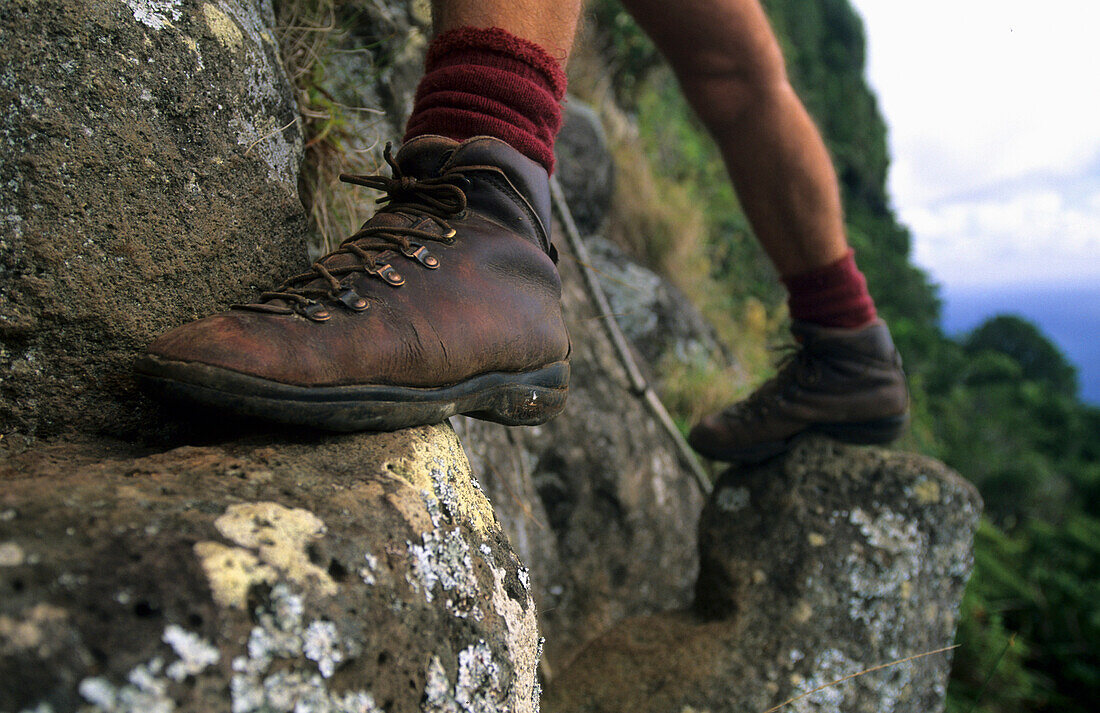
x=446, y=301
x=844, y=383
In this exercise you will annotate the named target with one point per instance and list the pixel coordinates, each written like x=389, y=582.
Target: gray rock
x=814, y=567
x=584, y=166
x=352, y=573
x=596, y=501
x=149, y=155
x=657, y=318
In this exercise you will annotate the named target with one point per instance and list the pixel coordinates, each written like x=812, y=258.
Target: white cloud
x=994, y=130
x=1031, y=236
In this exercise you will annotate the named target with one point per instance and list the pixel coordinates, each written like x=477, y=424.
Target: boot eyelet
x=352, y=299
x=450, y=233
x=390, y=275
x=420, y=253
x=316, y=312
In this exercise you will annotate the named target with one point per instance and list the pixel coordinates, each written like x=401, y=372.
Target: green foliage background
x=1000, y=406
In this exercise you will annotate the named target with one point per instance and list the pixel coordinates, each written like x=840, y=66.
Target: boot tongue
x=424, y=156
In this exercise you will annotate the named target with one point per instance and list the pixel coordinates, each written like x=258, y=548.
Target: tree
x=1037, y=356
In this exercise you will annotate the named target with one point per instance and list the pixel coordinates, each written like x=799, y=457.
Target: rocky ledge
x=824, y=563
x=353, y=574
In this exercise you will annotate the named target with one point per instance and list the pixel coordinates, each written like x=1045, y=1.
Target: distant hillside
x=1069, y=315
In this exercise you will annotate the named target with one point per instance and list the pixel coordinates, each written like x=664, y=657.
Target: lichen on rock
x=782, y=609
x=149, y=154
x=280, y=537
x=244, y=568
x=147, y=685
x=232, y=572
x=156, y=14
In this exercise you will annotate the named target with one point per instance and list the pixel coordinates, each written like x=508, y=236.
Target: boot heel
x=880, y=430
x=530, y=400
x=523, y=407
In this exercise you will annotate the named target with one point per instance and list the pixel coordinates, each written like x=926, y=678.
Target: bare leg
x=551, y=24
x=731, y=70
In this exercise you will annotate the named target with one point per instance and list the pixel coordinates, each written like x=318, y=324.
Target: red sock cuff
x=502, y=43
x=832, y=296
x=488, y=82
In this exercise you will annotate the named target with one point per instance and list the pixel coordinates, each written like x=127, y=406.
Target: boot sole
x=877, y=431
x=514, y=399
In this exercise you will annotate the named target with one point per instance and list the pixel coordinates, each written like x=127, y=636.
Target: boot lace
x=436, y=199
x=795, y=366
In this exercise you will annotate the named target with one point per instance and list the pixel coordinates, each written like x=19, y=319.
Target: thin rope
x=638, y=383
x=861, y=673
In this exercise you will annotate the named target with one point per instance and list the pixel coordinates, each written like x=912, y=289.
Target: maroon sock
x=831, y=296
x=488, y=82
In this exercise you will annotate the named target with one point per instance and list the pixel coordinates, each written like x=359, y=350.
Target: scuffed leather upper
x=839, y=376
x=493, y=304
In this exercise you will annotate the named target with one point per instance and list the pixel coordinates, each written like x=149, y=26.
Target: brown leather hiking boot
x=844, y=383
x=446, y=301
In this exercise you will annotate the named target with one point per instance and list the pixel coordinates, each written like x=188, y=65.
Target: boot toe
x=234, y=341
x=711, y=435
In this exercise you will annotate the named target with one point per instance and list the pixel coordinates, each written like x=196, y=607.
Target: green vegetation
x=1000, y=406
x=1006, y=415
x=325, y=47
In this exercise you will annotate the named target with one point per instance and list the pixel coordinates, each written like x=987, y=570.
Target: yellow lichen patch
x=223, y=27
x=280, y=536
x=11, y=554
x=26, y=633
x=232, y=571
x=926, y=492
x=437, y=464
x=815, y=539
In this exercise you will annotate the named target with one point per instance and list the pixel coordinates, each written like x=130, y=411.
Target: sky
x=993, y=109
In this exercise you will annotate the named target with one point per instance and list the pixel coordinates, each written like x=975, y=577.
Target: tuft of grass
x=339, y=137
